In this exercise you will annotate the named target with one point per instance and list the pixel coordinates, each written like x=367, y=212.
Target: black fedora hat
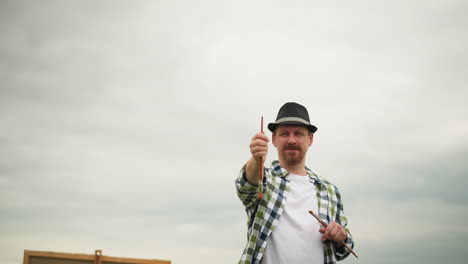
x=292, y=114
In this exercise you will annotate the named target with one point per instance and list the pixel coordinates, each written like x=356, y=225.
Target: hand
x=334, y=232
x=259, y=146
x=259, y=150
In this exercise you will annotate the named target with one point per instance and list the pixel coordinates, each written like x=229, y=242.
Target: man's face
x=292, y=143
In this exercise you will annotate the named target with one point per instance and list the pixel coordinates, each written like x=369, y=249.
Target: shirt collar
x=279, y=171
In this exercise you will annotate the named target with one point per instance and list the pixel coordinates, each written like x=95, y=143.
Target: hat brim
x=272, y=126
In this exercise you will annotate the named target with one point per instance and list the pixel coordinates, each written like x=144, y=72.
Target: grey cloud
x=138, y=116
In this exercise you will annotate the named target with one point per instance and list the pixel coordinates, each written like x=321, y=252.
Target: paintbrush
x=325, y=226
x=260, y=172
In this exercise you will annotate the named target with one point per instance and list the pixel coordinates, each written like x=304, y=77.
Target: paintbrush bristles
x=318, y=218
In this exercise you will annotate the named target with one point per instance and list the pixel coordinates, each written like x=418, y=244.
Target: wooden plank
x=79, y=258
x=48, y=254
x=48, y=260
x=107, y=259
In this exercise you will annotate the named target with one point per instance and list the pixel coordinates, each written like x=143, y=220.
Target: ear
x=311, y=137
x=273, y=139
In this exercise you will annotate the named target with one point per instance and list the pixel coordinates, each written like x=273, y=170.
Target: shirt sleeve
x=342, y=253
x=246, y=192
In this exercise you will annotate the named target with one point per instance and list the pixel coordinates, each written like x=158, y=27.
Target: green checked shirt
x=263, y=215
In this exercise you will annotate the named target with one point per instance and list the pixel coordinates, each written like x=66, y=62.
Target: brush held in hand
x=325, y=226
x=260, y=170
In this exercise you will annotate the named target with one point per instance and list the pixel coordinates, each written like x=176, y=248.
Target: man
x=280, y=228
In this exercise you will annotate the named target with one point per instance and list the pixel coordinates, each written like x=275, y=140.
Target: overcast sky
x=123, y=124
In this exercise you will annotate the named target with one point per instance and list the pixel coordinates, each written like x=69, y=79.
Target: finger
x=258, y=146
x=261, y=136
x=326, y=233
x=330, y=231
x=342, y=234
x=337, y=232
x=334, y=232
x=256, y=150
x=258, y=155
x=259, y=142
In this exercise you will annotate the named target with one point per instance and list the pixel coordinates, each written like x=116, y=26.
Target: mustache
x=291, y=147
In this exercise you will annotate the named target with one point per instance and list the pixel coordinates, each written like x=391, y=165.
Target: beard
x=293, y=159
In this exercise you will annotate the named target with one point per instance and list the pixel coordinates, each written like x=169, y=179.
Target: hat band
x=294, y=119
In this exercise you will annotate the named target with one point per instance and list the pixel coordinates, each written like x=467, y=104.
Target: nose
x=292, y=139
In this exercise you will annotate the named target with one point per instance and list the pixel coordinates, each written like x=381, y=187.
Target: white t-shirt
x=296, y=239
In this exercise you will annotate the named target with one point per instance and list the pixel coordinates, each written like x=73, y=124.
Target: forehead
x=290, y=128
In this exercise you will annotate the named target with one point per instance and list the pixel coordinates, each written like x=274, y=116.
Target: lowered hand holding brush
x=325, y=226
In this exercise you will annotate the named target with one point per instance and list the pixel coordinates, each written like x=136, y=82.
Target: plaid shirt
x=264, y=214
